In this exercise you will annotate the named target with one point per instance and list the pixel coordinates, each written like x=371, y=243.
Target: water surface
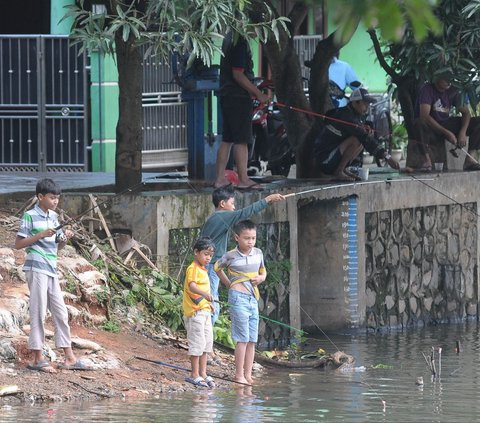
x=373, y=395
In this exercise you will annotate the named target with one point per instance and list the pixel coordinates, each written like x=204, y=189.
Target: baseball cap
x=361, y=94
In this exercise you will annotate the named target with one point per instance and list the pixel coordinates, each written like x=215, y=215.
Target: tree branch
x=297, y=16
x=381, y=58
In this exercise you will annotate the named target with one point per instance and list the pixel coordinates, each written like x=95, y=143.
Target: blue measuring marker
x=352, y=261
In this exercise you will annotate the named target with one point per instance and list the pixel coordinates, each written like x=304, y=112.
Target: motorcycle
x=270, y=149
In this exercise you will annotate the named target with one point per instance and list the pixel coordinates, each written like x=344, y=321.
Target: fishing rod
x=312, y=113
x=184, y=369
x=125, y=191
x=453, y=152
x=302, y=332
x=356, y=125
x=354, y=184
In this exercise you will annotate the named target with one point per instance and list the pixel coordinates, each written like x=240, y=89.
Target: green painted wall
x=104, y=111
x=361, y=57
x=57, y=11
x=103, y=96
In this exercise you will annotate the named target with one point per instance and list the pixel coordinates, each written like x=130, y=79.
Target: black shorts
x=328, y=164
x=237, y=119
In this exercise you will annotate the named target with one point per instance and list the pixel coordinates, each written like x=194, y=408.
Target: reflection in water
x=386, y=392
x=202, y=409
x=244, y=409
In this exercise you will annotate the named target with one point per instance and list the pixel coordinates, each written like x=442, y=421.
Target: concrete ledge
x=324, y=290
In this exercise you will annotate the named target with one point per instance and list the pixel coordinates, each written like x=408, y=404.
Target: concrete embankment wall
x=416, y=260
x=380, y=254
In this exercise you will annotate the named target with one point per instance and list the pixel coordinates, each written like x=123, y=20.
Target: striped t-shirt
x=240, y=268
x=41, y=255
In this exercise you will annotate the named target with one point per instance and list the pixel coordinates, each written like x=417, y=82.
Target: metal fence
x=43, y=92
x=305, y=46
x=164, y=118
x=165, y=115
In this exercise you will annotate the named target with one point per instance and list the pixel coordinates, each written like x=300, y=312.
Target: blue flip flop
x=198, y=381
x=42, y=366
x=210, y=382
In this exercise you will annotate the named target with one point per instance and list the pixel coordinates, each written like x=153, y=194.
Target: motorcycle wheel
x=281, y=168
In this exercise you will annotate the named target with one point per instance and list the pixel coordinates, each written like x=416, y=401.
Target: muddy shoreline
x=117, y=373
x=132, y=379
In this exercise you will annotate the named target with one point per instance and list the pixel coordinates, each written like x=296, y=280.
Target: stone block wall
x=420, y=265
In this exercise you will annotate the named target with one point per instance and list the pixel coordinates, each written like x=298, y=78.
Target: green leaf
x=125, y=33
x=120, y=12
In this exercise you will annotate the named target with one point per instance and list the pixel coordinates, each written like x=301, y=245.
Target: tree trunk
x=407, y=86
x=287, y=76
x=128, y=167
x=318, y=90
x=302, y=128
x=407, y=89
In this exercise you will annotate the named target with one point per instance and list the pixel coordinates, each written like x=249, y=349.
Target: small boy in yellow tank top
x=197, y=311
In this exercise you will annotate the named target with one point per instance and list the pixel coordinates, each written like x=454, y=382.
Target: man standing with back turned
x=236, y=92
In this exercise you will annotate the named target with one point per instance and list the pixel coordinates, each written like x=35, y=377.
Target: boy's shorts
x=244, y=316
x=237, y=119
x=199, y=333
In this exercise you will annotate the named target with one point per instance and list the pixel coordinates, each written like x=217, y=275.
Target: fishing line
x=370, y=387
x=319, y=328
x=184, y=369
x=445, y=195
x=302, y=332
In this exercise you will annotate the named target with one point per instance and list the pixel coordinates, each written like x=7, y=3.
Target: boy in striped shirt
x=37, y=234
x=245, y=270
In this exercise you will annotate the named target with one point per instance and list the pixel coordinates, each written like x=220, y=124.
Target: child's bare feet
x=241, y=380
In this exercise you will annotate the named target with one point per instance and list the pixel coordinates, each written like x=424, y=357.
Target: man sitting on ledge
x=344, y=136
x=434, y=124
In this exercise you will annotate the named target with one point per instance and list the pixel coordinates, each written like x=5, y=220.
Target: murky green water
x=374, y=395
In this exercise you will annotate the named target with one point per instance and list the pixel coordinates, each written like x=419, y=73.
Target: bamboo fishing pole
x=354, y=184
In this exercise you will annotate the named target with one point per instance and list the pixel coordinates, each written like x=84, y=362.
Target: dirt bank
x=117, y=374
x=132, y=378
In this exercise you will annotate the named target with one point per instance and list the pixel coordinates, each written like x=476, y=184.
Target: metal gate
x=305, y=46
x=164, y=118
x=43, y=95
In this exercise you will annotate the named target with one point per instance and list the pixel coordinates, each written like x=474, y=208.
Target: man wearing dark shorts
x=236, y=92
x=344, y=136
